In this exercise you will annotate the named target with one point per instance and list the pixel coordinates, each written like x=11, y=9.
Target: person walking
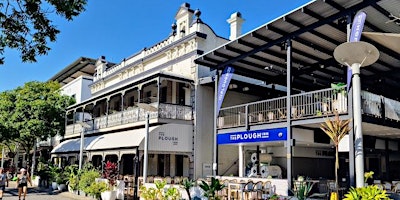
x=22, y=181
x=3, y=181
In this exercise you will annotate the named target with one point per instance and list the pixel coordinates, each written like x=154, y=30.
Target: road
x=35, y=193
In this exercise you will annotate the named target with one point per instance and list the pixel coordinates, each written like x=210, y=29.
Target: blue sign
x=266, y=135
x=355, y=35
x=357, y=27
x=223, y=85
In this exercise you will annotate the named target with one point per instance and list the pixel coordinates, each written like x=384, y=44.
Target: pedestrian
x=3, y=181
x=22, y=181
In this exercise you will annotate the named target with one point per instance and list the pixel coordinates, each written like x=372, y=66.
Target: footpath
x=12, y=190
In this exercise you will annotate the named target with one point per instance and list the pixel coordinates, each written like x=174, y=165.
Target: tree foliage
x=25, y=24
x=35, y=110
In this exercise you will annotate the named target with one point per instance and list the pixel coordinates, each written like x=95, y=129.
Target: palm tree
x=336, y=129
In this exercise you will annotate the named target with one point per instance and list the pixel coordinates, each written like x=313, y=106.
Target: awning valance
x=124, y=139
x=72, y=145
x=164, y=138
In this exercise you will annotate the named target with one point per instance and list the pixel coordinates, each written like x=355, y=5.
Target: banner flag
x=355, y=35
x=223, y=85
x=357, y=27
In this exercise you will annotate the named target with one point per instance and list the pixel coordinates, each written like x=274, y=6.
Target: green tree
x=25, y=24
x=35, y=111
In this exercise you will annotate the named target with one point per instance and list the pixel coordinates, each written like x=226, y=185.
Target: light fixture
x=269, y=67
x=232, y=86
x=246, y=89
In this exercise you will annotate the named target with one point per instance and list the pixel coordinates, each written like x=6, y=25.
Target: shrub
x=211, y=189
x=96, y=188
x=87, y=178
x=366, y=192
x=111, y=173
x=159, y=193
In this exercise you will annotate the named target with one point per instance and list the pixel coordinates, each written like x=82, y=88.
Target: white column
x=187, y=96
x=172, y=165
x=146, y=149
x=173, y=92
x=81, y=148
x=358, y=138
x=241, y=161
x=2, y=157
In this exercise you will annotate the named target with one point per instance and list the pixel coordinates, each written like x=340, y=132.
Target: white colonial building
x=163, y=76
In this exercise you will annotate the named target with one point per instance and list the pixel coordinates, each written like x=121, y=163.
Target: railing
x=171, y=111
x=371, y=104
x=271, y=110
x=133, y=114
x=305, y=105
x=232, y=117
x=392, y=109
x=318, y=103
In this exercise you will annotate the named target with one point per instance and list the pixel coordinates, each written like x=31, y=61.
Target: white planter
x=109, y=195
x=36, y=181
x=62, y=187
x=54, y=185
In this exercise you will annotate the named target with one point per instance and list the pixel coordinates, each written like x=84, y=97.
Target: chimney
x=235, y=21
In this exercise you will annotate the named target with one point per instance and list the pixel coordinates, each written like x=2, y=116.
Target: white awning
x=124, y=139
x=389, y=40
x=72, y=145
x=164, y=138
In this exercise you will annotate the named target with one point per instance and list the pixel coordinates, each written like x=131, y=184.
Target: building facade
x=162, y=77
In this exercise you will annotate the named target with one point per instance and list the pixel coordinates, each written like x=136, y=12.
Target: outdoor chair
x=176, y=180
x=168, y=179
x=380, y=186
x=258, y=189
x=233, y=189
x=248, y=190
x=387, y=186
x=396, y=188
x=224, y=192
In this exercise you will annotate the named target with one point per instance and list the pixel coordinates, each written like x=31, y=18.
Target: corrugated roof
x=315, y=29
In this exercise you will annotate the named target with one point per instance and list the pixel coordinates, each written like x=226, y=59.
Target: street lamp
x=356, y=55
x=148, y=108
x=84, y=127
x=136, y=170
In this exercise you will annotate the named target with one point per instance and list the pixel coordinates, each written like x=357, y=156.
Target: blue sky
x=123, y=27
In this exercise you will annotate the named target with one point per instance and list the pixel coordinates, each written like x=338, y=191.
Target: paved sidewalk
x=40, y=193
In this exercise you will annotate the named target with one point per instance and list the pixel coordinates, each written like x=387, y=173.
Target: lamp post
x=148, y=108
x=84, y=127
x=136, y=170
x=356, y=55
x=2, y=157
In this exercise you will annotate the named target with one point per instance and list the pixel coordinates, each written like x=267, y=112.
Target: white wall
x=78, y=87
x=204, y=128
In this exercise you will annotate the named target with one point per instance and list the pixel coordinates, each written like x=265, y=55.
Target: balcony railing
x=305, y=105
x=134, y=114
x=371, y=104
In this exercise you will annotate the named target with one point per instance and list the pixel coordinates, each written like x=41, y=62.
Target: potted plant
x=96, y=189
x=71, y=174
x=61, y=181
x=336, y=129
x=111, y=174
x=53, y=174
x=302, y=188
x=211, y=189
x=160, y=192
x=86, y=178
